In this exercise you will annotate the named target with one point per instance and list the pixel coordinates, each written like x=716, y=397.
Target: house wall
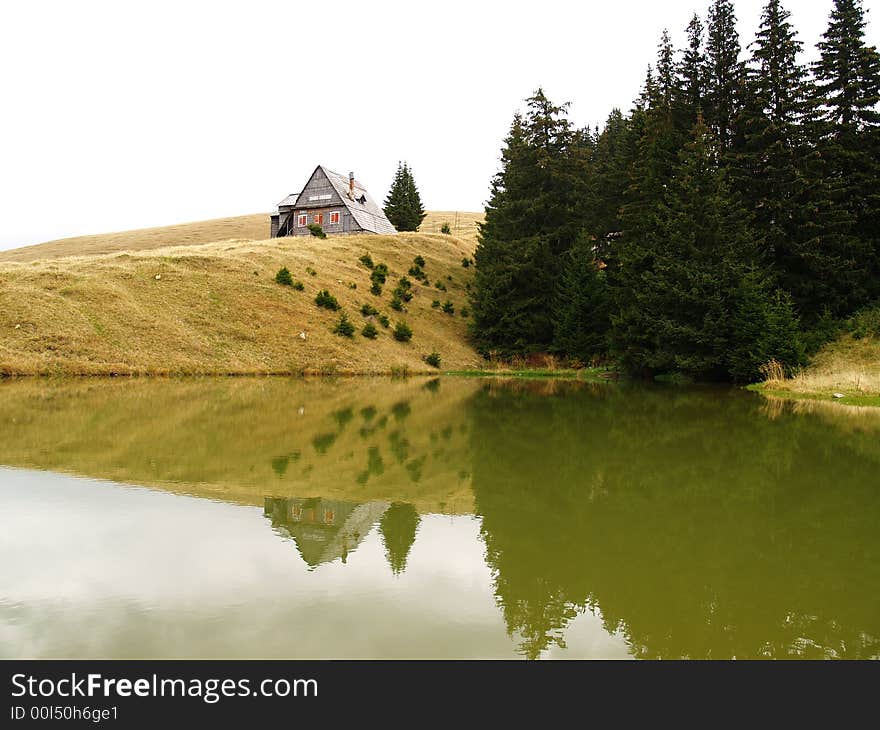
x=347, y=224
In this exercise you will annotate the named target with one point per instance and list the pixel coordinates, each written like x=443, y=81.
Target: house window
x=302, y=220
x=318, y=219
x=334, y=218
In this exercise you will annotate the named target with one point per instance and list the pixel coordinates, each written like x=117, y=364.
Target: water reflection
x=697, y=526
x=674, y=523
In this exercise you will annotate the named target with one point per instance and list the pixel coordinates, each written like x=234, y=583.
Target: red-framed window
x=334, y=218
x=318, y=219
x=302, y=220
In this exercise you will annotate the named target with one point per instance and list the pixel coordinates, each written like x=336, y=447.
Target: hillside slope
x=216, y=309
x=244, y=227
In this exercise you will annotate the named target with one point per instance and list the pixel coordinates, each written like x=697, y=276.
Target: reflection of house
x=323, y=529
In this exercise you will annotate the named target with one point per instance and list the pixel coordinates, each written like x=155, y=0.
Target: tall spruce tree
x=770, y=165
x=847, y=94
x=403, y=206
x=693, y=72
x=724, y=73
x=536, y=209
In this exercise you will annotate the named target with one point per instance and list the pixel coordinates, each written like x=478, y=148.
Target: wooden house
x=337, y=203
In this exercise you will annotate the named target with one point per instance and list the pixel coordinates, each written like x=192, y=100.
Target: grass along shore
x=849, y=366
x=216, y=309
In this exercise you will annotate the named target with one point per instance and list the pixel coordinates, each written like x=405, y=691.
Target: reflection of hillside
x=697, y=525
x=239, y=439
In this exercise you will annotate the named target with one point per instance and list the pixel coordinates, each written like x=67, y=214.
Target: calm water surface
x=433, y=518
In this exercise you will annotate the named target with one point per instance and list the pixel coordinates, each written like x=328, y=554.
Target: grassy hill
x=164, y=301
x=244, y=227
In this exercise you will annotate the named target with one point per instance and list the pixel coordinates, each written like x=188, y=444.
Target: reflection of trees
x=697, y=526
x=398, y=527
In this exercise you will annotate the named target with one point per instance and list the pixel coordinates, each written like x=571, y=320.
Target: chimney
x=351, y=185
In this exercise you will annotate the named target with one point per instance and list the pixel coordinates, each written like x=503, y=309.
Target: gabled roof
x=362, y=207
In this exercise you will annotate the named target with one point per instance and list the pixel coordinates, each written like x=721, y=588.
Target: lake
x=443, y=517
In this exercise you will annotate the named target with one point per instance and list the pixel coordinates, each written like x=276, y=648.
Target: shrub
x=419, y=261
x=344, y=327
x=466, y=263
x=369, y=331
x=404, y=290
x=396, y=302
x=435, y=304
x=326, y=300
x=367, y=260
x=310, y=271
x=368, y=310
x=384, y=321
x=440, y=286
x=417, y=273
x=465, y=312
x=380, y=273
x=865, y=323
x=298, y=285
x=376, y=289
x=433, y=360
x=448, y=307
x=352, y=285
x=283, y=277
x=316, y=230
x=445, y=229
x=402, y=332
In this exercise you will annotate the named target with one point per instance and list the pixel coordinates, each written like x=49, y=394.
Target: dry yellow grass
x=215, y=308
x=463, y=225
x=245, y=227
x=847, y=366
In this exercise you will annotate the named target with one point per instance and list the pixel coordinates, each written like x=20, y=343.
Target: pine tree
x=667, y=90
x=724, y=76
x=584, y=306
x=415, y=209
x=403, y=206
x=848, y=72
x=847, y=94
x=680, y=283
x=536, y=209
x=612, y=161
x=769, y=171
x=693, y=72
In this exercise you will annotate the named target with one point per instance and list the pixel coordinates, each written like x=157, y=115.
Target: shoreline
x=598, y=375
x=768, y=390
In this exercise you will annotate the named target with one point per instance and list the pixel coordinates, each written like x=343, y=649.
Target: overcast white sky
x=119, y=115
